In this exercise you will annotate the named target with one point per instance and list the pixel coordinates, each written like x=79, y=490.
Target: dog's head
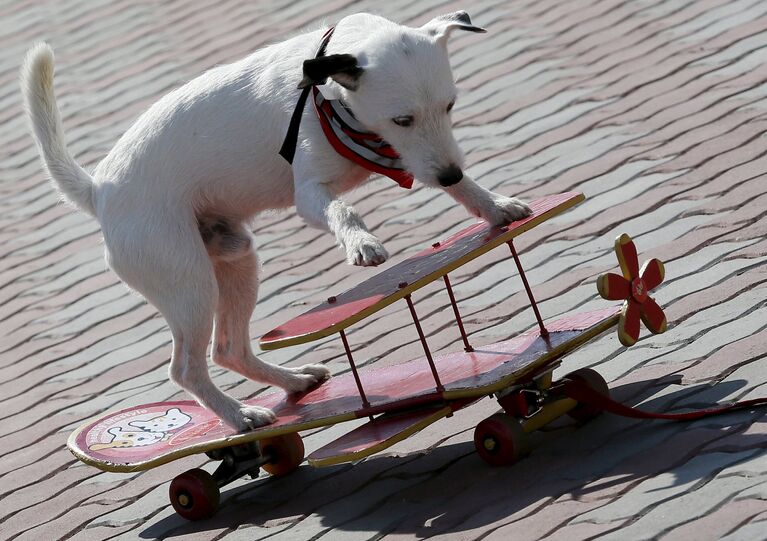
x=398, y=82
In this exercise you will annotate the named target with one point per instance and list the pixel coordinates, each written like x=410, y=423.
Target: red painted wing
x=118, y=441
x=418, y=270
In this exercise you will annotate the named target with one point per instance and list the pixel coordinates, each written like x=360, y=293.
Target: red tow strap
x=581, y=392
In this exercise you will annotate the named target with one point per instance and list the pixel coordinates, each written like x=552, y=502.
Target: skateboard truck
x=525, y=400
x=195, y=494
x=503, y=438
x=536, y=397
x=237, y=461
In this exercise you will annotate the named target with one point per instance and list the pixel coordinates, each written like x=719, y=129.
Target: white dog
x=175, y=194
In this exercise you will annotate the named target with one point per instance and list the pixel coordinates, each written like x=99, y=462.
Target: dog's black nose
x=450, y=175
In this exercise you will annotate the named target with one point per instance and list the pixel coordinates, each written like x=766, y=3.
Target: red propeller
x=633, y=288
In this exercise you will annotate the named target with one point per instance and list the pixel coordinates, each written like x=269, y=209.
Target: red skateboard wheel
x=500, y=440
x=286, y=453
x=194, y=494
x=592, y=378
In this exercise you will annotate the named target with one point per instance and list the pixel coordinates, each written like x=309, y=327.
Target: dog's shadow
x=449, y=489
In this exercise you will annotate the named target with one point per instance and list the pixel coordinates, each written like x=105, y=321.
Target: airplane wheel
x=586, y=412
x=500, y=440
x=194, y=494
x=286, y=452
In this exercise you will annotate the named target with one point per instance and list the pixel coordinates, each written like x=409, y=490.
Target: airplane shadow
x=449, y=489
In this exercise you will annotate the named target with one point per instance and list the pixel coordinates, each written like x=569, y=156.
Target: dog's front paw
x=364, y=250
x=506, y=209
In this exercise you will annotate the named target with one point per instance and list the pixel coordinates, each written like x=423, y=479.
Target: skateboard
x=398, y=400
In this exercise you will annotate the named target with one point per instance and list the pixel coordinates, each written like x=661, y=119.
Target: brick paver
x=656, y=109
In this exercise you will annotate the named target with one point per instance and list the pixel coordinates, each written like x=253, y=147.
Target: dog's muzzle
x=450, y=175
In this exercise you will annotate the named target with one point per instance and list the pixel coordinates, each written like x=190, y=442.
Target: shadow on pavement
x=449, y=489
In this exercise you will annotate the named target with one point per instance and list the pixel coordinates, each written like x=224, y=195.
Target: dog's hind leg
x=238, y=292
x=173, y=271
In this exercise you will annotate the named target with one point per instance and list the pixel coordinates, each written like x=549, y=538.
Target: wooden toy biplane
x=399, y=400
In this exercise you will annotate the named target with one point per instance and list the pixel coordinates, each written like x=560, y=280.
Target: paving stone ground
x=655, y=109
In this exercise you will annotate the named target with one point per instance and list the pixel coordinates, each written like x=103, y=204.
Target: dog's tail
x=72, y=181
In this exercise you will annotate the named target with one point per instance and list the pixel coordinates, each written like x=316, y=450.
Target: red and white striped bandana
x=350, y=139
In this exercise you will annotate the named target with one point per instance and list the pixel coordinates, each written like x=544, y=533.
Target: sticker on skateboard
x=130, y=433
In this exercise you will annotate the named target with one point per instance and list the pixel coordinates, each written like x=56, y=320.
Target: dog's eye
x=403, y=121
x=450, y=106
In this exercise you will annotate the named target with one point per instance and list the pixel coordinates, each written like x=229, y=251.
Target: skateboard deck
x=400, y=280
x=147, y=436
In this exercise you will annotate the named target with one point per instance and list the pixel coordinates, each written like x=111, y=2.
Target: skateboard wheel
x=500, y=440
x=194, y=494
x=286, y=453
x=586, y=412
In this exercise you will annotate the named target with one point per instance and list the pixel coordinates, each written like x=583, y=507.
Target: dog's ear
x=342, y=68
x=442, y=26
